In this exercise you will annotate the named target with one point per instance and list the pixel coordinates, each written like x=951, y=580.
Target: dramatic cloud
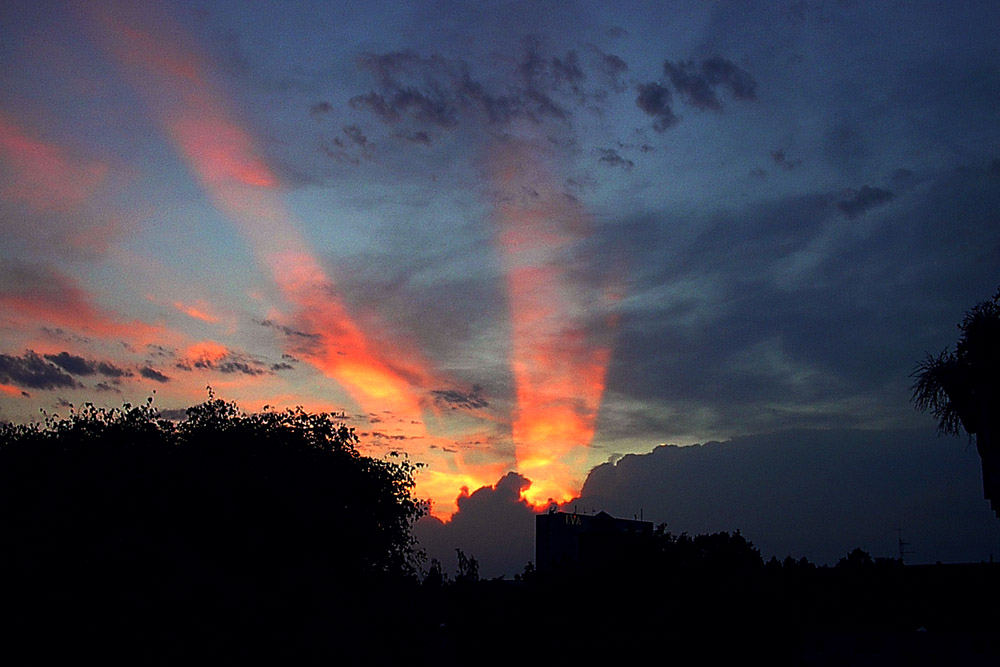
x=32, y=371
x=864, y=200
x=559, y=355
x=812, y=493
x=493, y=525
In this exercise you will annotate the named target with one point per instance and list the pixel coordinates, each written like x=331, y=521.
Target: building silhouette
x=564, y=539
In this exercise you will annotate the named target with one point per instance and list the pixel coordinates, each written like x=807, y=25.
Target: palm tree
x=961, y=388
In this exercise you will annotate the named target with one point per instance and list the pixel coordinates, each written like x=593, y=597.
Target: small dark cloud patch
x=355, y=134
x=282, y=366
x=159, y=351
x=692, y=85
x=107, y=369
x=758, y=173
x=613, y=158
x=76, y=365
x=72, y=364
x=320, y=109
x=698, y=84
x=654, y=100
x=289, y=331
x=470, y=400
x=434, y=91
x=864, y=200
x=781, y=159
x=419, y=137
x=32, y=371
x=720, y=71
x=152, y=374
x=106, y=387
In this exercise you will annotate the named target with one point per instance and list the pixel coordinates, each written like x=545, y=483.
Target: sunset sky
x=503, y=237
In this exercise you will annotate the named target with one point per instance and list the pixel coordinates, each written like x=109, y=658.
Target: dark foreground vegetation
x=234, y=538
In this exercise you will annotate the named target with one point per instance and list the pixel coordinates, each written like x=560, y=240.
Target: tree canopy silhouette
x=961, y=388
x=223, y=522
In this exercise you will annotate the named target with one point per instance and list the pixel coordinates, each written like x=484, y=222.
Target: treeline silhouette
x=230, y=537
x=712, y=598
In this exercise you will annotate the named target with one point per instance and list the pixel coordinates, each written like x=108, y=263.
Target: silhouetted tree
x=468, y=569
x=961, y=388
x=126, y=527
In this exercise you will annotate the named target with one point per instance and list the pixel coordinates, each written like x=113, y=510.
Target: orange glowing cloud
x=197, y=311
x=560, y=352
x=224, y=157
x=50, y=297
x=42, y=175
x=378, y=374
x=11, y=390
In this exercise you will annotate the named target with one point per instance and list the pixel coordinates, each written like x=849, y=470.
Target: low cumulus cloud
x=492, y=525
x=812, y=493
x=32, y=371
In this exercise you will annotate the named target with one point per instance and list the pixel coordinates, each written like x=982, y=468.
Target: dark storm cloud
x=492, y=525
x=812, y=493
x=613, y=158
x=152, y=374
x=698, y=84
x=32, y=371
x=864, y=200
x=654, y=100
x=470, y=400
